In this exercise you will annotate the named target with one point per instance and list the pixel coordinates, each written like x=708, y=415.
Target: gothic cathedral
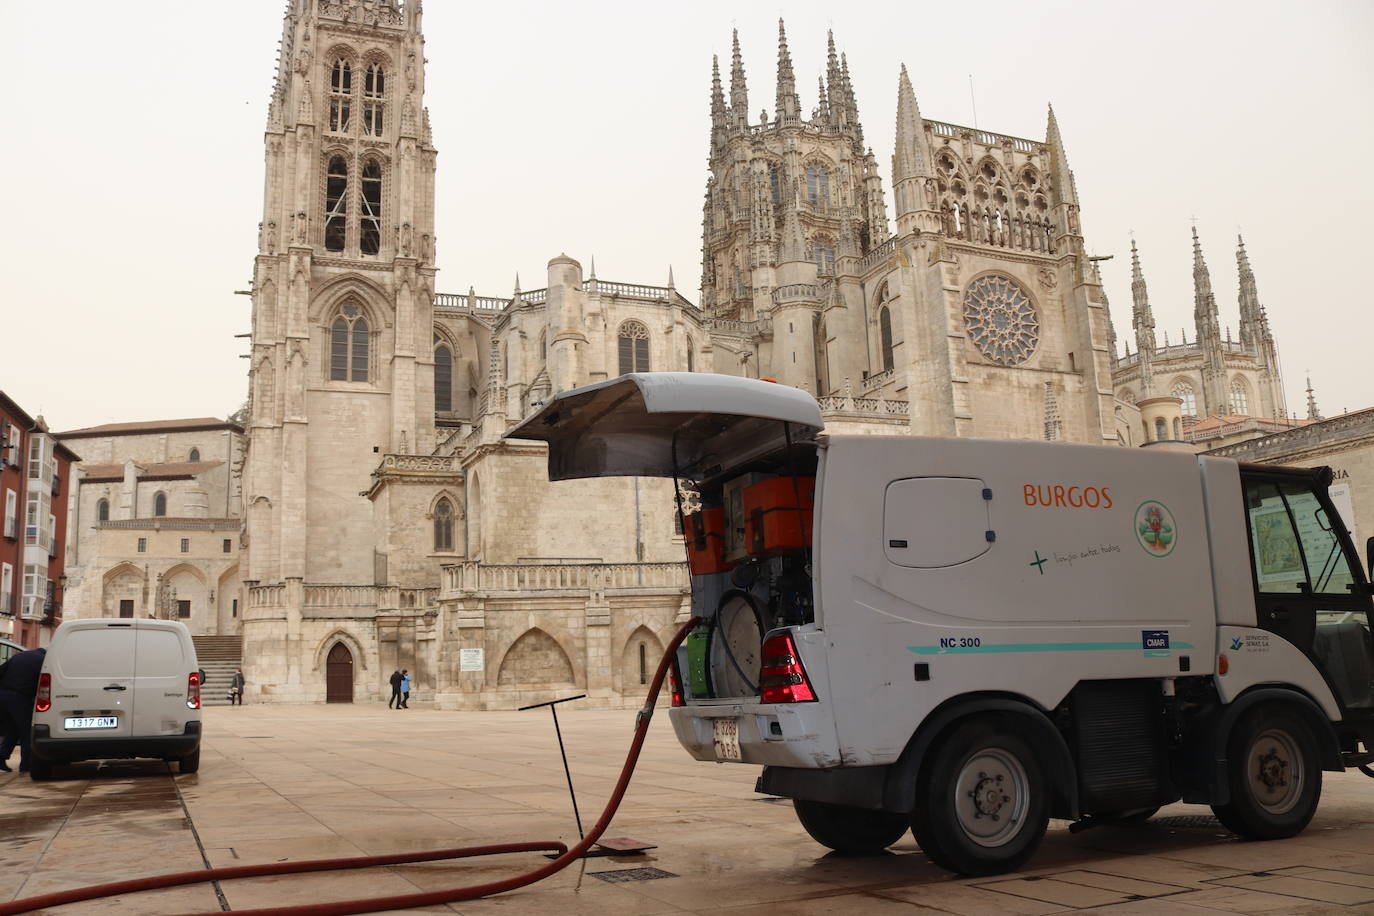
x=388, y=522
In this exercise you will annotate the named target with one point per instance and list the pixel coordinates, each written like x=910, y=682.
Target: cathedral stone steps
x=218, y=657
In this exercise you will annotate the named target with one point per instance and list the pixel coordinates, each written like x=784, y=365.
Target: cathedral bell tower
x=342, y=367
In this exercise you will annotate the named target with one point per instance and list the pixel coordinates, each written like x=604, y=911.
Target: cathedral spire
x=823, y=107
x=1143, y=321
x=1208, y=326
x=911, y=164
x=1064, y=187
x=851, y=105
x=1253, y=323
x=739, y=91
x=718, y=111
x=787, y=106
x=834, y=81
x=720, y=115
x=1312, y=412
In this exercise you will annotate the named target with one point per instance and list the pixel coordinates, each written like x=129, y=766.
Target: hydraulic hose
x=399, y=901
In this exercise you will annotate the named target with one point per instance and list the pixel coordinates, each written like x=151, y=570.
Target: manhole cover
x=1188, y=822
x=632, y=874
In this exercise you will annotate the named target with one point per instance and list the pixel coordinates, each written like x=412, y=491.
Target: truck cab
x=966, y=637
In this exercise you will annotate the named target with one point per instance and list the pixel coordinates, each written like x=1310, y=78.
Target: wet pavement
x=281, y=783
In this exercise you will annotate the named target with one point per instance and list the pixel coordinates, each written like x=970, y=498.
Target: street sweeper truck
x=967, y=637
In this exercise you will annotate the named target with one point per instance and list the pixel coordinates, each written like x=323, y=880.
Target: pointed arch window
x=443, y=526
x=1161, y=429
x=348, y=346
x=1185, y=393
x=371, y=221
x=443, y=379
x=885, y=335
x=159, y=504
x=194, y=456
x=336, y=204
x=340, y=96
x=817, y=185
x=775, y=185
x=824, y=256
x=374, y=91
x=634, y=347
x=1240, y=401
x=102, y=511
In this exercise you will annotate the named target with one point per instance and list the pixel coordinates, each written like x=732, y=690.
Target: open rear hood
x=626, y=426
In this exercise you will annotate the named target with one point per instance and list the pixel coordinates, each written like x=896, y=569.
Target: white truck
x=967, y=637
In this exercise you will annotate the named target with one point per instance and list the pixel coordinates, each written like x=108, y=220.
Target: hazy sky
x=134, y=158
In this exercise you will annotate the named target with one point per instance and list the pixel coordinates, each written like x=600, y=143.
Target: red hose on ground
x=398, y=901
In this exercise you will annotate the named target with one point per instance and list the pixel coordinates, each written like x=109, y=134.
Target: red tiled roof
x=191, y=424
x=169, y=470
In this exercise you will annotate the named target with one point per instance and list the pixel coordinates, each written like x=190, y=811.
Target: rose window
x=1001, y=320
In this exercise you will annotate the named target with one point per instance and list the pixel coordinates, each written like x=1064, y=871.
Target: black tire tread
x=849, y=830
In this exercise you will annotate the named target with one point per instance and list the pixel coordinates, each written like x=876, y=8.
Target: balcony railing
x=550, y=577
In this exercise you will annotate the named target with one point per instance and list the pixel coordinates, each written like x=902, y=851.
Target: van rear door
x=92, y=670
x=164, y=667
x=665, y=424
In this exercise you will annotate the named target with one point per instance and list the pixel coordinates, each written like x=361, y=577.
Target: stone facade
x=388, y=522
x=1226, y=380
x=155, y=521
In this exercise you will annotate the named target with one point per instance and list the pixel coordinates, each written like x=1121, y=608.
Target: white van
x=117, y=688
x=966, y=637
x=7, y=649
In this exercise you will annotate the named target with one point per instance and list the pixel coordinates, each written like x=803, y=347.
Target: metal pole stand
x=609, y=846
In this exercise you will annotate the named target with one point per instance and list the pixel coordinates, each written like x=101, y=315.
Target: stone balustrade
x=840, y=406
x=878, y=380
x=794, y=292
x=443, y=464
x=882, y=252
x=549, y=577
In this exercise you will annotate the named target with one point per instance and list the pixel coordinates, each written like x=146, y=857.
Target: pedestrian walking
x=236, y=683
x=18, y=684
x=405, y=689
x=395, y=690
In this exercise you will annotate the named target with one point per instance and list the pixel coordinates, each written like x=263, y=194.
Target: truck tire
x=40, y=770
x=848, y=830
x=190, y=763
x=1274, y=774
x=982, y=799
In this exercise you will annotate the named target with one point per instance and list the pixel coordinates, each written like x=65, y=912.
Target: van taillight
x=42, y=701
x=783, y=678
x=193, y=690
x=675, y=684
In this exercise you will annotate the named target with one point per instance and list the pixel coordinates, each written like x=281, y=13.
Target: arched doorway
x=339, y=675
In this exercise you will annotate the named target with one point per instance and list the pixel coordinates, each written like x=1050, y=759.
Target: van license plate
x=92, y=722
x=726, y=738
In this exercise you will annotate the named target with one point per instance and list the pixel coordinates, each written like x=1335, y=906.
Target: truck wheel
x=190, y=763
x=981, y=805
x=40, y=770
x=1274, y=774
x=849, y=830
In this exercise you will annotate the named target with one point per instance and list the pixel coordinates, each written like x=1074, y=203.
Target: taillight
x=193, y=690
x=42, y=701
x=675, y=685
x=783, y=678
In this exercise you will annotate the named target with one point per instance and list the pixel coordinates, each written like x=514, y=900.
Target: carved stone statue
x=301, y=229
x=406, y=239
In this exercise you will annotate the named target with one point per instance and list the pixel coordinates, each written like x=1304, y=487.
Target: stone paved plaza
x=297, y=782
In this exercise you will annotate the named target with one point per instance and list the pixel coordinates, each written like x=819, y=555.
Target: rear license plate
x=726, y=738
x=74, y=722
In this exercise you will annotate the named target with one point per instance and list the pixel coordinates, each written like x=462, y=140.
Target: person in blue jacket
x=405, y=689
